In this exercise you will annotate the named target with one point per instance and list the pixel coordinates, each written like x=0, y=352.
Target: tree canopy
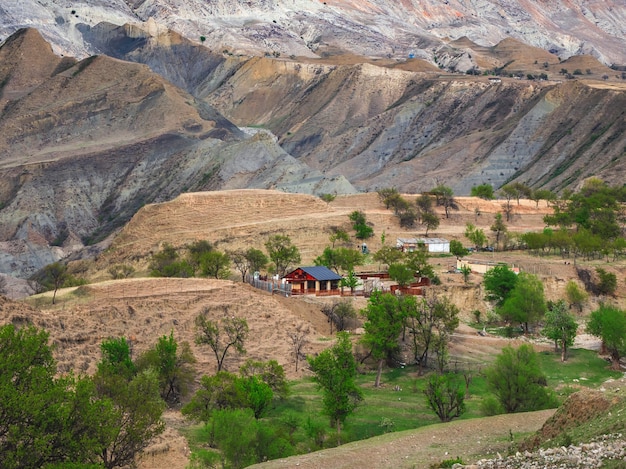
x=609, y=323
x=525, y=303
x=499, y=282
x=518, y=382
x=384, y=319
x=282, y=253
x=560, y=326
x=335, y=372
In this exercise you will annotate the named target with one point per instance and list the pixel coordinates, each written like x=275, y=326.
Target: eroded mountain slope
x=82, y=148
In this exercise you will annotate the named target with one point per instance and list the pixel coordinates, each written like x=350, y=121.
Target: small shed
x=432, y=245
x=313, y=280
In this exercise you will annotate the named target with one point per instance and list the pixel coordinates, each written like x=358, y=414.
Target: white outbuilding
x=432, y=245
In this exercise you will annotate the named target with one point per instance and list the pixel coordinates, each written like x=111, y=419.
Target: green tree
x=609, y=324
x=116, y=358
x=484, y=191
x=328, y=198
x=339, y=235
x=335, y=372
x=430, y=322
x=596, y=208
x=561, y=327
x=444, y=196
x=215, y=264
x=424, y=205
x=251, y=260
x=167, y=263
x=607, y=283
x=518, y=382
x=430, y=221
x=136, y=405
x=282, y=253
x=388, y=255
x=221, y=335
x=196, y=251
x=526, y=301
x=476, y=235
x=387, y=196
x=235, y=432
x=384, y=316
x=54, y=276
x=340, y=259
x=135, y=419
x=576, y=296
x=258, y=394
x=217, y=392
x=457, y=249
x=351, y=281
x=498, y=283
x=359, y=224
x=418, y=261
x=44, y=419
x=466, y=270
x=498, y=227
x=402, y=274
x=173, y=367
x=542, y=194
x=270, y=372
x=445, y=396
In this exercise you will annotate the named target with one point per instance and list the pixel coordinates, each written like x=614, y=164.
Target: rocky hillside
x=329, y=102
x=84, y=144
x=311, y=28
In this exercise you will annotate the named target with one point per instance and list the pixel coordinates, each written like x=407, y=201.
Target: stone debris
x=586, y=455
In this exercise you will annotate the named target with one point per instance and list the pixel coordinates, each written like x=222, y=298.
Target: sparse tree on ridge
x=484, y=191
x=251, y=260
x=498, y=227
x=54, y=276
x=215, y=264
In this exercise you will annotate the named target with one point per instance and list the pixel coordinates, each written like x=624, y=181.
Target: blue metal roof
x=321, y=272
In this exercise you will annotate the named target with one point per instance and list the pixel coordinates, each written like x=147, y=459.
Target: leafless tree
x=299, y=340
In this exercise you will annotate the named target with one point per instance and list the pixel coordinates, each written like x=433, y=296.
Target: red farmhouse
x=317, y=280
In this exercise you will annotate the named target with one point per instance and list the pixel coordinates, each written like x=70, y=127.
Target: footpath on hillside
x=468, y=439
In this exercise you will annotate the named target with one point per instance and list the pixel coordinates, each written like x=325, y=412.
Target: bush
x=490, y=406
x=518, y=382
